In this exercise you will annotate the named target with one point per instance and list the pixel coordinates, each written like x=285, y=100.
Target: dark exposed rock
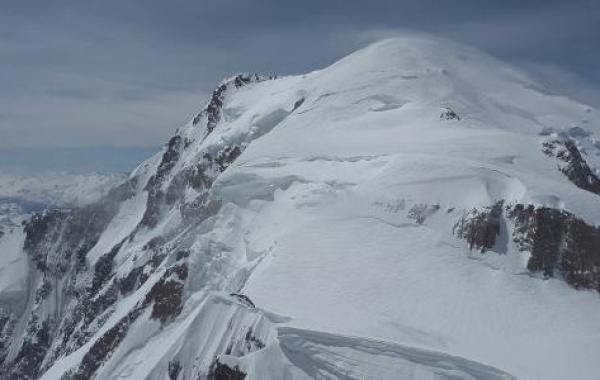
x=559, y=243
x=152, y=212
x=75, y=328
x=298, y=103
x=68, y=333
x=7, y=322
x=253, y=343
x=156, y=196
x=38, y=226
x=162, y=196
x=227, y=156
x=221, y=371
x=39, y=229
x=214, y=106
x=169, y=159
x=134, y=279
x=574, y=165
x=72, y=333
x=102, y=349
x=241, y=347
x=166, y=295
x=80, y=258
x=244, y=299
x=420, y=212
x=539, y=231
x=580, y=264
x=180, y=270
x=182, y=254
x=157, y=259
x=57, y=241
x=480, y=227
x=241, y=80
x=213, y=109
x=76, y=231
x=174, y=369
x=103, y=268
x=154, y=244
x=43, y=291
x=449, y=114
x=200, y=177
x=27, y=363
x=95, y=306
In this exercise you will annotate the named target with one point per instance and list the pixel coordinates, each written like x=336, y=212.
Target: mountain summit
x=416, y=210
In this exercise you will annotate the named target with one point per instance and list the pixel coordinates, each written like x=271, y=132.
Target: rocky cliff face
x=572, y=163
x=371, y=218
x=74, y=297
x=558, y=243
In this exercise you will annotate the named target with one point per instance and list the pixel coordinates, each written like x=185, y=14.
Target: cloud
x=128, y=73
x=112, y=117
x=563, y=82
x=556, y=44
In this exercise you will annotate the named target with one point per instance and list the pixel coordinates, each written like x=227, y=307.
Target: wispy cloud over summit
x=128, y=73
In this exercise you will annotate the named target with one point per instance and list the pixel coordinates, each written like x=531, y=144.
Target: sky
x=125, y=74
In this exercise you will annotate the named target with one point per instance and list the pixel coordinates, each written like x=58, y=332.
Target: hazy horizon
x=119, y=74
x=35, y=160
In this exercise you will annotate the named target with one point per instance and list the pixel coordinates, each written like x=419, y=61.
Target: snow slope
x=306, y=227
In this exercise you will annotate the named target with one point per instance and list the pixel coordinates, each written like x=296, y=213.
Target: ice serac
x=417, y=210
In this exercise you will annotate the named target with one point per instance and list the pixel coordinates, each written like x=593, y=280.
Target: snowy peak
x=392, y=213
x=441, y=73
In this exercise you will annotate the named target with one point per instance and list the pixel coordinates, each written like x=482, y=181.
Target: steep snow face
x=406, y=212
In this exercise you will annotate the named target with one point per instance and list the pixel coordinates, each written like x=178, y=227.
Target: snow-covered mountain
x=417, y=210
x=21, y=195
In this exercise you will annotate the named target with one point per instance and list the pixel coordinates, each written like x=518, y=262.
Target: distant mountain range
x=74, y=160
